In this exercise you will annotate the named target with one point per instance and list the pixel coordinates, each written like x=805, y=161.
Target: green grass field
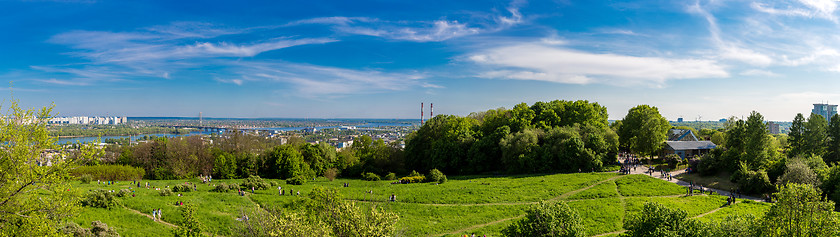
x=481, y=205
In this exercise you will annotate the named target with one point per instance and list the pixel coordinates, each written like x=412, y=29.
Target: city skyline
x=371, y=59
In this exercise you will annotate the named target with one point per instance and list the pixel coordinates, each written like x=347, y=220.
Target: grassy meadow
x=481, y=205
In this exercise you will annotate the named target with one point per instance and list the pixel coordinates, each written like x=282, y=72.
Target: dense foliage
x=109, y=172
x=547, y=219
x=34, y=174
x=322, y=213
x=643, y=130
x=551, y=136
x=100, y=198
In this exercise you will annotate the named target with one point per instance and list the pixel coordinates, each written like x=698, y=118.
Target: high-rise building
x=773, y=127
x=826, y=110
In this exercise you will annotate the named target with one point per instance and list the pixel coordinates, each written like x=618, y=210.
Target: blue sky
x=380, y=59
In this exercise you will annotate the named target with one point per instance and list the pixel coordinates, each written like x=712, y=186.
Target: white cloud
x=418, y=31
x=317, y=81
x=757, y=72
x=535, y=61
x=823, y=9
x=158, y=51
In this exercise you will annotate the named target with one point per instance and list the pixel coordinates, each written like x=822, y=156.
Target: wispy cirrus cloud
x=823, y=9
x=418, y=31
x=318, y=81
x=544, y=62
x=156, y=51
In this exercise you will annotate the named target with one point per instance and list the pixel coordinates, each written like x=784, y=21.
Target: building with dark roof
x=688, y=149
x=681, y=135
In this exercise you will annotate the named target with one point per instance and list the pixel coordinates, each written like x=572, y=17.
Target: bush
x=166, y=192
x=755, y=182
x=109, y=172
x=73, y=229
x=182, y=188
x=436, y=176
x=100, y=229
x=414, y=173
x=297, y=180
x=123, y=192
x=412, y=179
x=331, y=173
x=548, y=219
x=222, y=188
x=657, y=220
x=99, y=198
x=370, y=176
x=256, y=182
x=391, y=176
x=273, y=183
x=86, y=178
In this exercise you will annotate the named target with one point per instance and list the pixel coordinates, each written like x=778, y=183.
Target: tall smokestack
x=421, y=113
x=431, y=110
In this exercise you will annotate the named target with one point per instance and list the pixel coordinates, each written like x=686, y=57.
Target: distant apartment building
x=96, y=120
x=826, y=110
x=773, y=127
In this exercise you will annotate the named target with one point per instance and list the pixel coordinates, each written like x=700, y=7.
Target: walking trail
x=642, y=169
x=150, y=217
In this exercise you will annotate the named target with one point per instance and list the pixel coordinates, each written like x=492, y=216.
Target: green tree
x=833, y=149
x=643, y=130
x=34, y=196
x=795, y=136
x=800, y=211
x=814, y=137
x=656, y=220
x=547, y=219
x=758, y=149
x=190, y=227
x=797, y=171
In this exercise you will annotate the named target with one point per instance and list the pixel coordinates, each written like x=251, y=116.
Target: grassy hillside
x=483, y=205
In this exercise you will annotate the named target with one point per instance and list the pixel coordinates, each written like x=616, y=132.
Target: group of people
x=205, y=179
x=156, y=214
x=392, y=198
x=179, y=203
x=291, y=191
x=691, y=188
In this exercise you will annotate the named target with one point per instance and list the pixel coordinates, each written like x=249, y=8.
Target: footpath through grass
x=481, y=205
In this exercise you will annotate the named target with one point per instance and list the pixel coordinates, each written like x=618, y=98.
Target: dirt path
x=150, y=217
x=479, y=226
x=713, y=211
x=611, y=233
x=641, y=170
x=566, y=195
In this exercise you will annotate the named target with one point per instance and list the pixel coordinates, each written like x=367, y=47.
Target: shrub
x=254, y=181
x=297, y=180
x=109, y=172
x=755, y=182
x=166, y=192
x=371, y=177
x=273, y=183
x=436, y=176
x=548, y=219
x=182, y=188
x=73, y=229
x=222, y=188
x=99, y=198
x=331, y=173
x=412, y=179
x=391, y=176
x=657, y=220
x=86, y=178
x=100, y=229
x=414, y=173
x=123, y=192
